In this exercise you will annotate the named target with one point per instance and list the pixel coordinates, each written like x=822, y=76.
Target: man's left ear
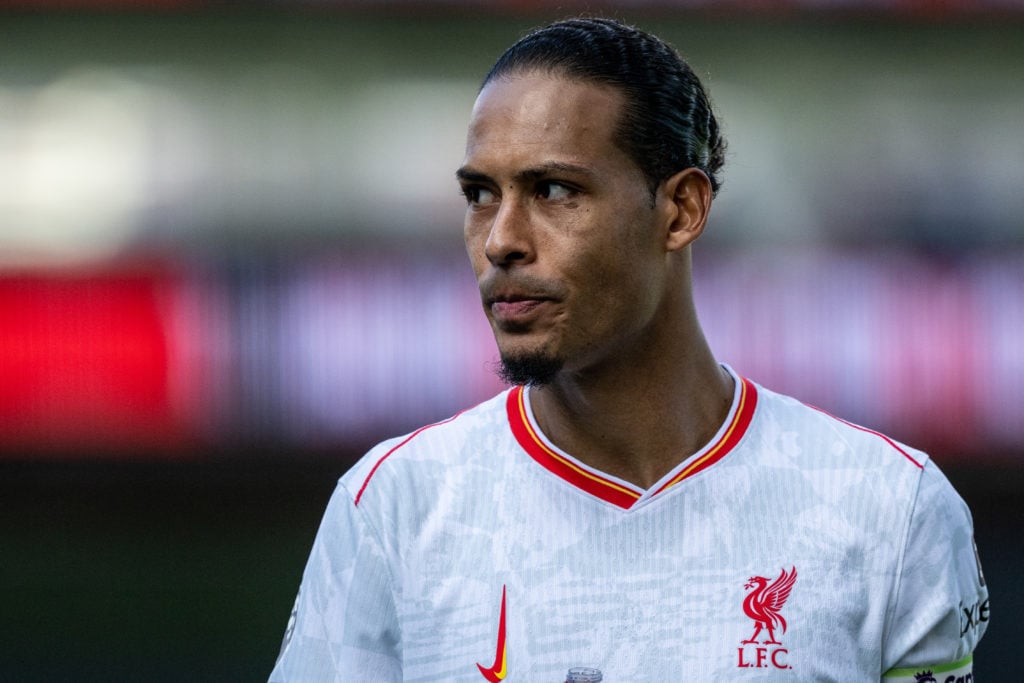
x=689, y=195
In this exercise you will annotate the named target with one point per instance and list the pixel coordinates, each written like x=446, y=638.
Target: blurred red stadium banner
x=85, y=362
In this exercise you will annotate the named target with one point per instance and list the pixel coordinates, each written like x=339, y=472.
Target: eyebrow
x=468, y=174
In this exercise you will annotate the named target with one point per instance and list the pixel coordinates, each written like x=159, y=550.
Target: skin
x=576, y=262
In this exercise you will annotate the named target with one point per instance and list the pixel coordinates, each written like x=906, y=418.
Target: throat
x=643, y=471
x=638, y=442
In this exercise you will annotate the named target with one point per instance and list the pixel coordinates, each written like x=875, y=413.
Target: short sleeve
x=941, y=608
x=344, y=625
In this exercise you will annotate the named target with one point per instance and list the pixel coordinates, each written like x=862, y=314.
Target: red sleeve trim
x=395, y=448
x=889, y=441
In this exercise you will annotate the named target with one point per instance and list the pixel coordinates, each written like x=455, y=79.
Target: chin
x=529, y=369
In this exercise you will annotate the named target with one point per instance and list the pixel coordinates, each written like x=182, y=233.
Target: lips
x=516, y=307
x=516, y=310
x=512, y=307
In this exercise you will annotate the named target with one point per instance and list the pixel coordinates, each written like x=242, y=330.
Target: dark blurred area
x=231, y=261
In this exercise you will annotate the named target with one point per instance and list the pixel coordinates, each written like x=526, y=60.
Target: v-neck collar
x=611, y=489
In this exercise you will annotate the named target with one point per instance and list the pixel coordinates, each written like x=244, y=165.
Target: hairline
x=618, y=134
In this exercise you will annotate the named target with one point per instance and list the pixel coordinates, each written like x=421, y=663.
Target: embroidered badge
x=764, y=607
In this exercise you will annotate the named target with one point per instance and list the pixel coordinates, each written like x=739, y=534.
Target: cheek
x=605, y=288
x=475, y=239
x=627, y=282
x=470, y=232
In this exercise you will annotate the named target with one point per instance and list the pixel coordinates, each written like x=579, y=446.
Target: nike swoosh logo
x=496, y=672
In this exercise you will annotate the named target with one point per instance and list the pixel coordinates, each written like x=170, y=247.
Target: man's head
x=578, y=239
x=667, y=124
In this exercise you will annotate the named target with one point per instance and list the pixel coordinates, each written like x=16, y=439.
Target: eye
x=549, y=189
x=477, y=195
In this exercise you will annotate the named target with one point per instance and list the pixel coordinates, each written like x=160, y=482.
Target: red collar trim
x=609, y=490
x=736, y=427
x=591, y=482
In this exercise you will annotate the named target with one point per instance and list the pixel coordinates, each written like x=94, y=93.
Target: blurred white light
x=72, y=168
x=410, y=139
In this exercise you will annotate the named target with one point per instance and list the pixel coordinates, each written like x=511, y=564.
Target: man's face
x=560, y=227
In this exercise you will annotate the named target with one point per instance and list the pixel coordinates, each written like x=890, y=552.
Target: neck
x=639, y=418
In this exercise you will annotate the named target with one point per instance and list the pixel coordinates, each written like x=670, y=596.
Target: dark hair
x=667, y=123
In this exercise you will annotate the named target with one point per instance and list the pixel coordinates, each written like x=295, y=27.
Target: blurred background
x=231, y=261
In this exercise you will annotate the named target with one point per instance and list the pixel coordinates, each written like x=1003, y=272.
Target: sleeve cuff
x=957, y=672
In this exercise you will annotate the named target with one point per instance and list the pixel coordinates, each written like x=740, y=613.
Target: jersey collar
x=616, y=491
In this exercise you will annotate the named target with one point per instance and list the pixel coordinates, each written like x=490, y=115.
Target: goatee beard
x=533, y=370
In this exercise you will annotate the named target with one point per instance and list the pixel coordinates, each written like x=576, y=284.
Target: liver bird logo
x=764, y=604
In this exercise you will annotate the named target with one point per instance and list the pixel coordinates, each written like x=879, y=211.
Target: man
x=630, y=510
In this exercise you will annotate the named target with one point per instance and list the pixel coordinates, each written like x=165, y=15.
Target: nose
x=509, y=240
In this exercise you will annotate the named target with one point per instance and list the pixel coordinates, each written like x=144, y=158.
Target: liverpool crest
x=763, y=605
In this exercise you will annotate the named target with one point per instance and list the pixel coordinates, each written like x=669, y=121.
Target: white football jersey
x=793, y=547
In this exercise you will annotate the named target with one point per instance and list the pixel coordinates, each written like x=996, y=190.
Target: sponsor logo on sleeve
x=973, y=617
x=764, y=606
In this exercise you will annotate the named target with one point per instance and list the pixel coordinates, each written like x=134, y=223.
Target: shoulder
x=916, y=523
x=881, y=476
x=433, y=450
x=822, y=459
x=806, y=432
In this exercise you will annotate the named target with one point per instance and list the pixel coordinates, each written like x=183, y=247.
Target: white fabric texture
x=853, y=550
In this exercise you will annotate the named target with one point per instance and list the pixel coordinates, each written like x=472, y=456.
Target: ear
x=687, y=196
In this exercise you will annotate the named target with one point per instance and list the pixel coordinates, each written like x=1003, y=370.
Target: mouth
x=516, y=304
x=515, y=311
x=515, y=308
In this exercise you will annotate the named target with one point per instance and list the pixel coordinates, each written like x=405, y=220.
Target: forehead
x=528, y=117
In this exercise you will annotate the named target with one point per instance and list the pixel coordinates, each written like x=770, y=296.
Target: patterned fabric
x=793, y=546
